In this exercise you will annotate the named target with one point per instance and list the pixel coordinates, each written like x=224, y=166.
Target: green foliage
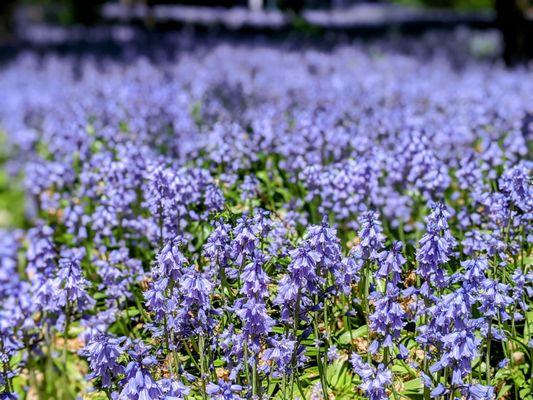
x=11, y=193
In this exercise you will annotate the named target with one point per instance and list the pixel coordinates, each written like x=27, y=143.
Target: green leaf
x=525, y=394
x=336, y=373
x=272, y=388
x=413, y=386
x=346, y=338
x=504, y=390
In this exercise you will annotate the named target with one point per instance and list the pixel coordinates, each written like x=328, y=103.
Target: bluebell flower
x=72, y=285
x=277, y=357
x=249, y=187
x=388, y=317
x=170, y=260
x=371, y=235
x=245, y=240
x=516, y=183
x=390, y=263
x=41, y=252
x=478, y=392
x=375, y=380
x=223, y=390
x=474, y=273
x=332, y=353
x=156, y=298
x=460, y=348
x=253, y=314
x=435, y=248
x=494, y=299
x=139, y=383
x=103, y=352
x=173, y=390
x=217, y=246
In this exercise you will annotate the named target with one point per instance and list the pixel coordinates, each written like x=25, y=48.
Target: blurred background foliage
x=514, y=18
x=454, y=4
x=66, y=12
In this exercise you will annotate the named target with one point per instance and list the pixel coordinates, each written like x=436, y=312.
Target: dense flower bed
x=253, y=222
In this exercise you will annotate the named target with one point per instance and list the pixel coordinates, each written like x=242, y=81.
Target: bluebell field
x=266, y=222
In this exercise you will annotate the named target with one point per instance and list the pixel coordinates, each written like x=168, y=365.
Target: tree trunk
x=7, y=7
x=516, y=31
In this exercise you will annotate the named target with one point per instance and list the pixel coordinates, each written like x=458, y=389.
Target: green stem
x=487, y=355
x=202, y=366
x=6, y=369
x=191, y=357
x=254, y=379
x=300, y=389
x=33, y=378
x=65, y=338
x=296, y=319
x=284, y=386
x=321, y=372
x=367, y=307
x=246, y=364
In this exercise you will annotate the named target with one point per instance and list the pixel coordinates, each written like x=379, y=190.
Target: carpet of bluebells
x=258, y=221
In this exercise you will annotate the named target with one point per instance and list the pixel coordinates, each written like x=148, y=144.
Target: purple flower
x=300, y=282
x=474, y=273
x=516, y=183
x=371, y=235
x=170, y=260
x=217, y=246
x=156, y=298
x=71, y=283
x=41, y=252
x=494, y=299
x=478, y=392
x=460, y=348
x=255, y=280
x=255, y=319
x=277, y=358
x=103, y=352
x=390, y=263
x=375, y=380
x=245, y=240
x=333, y=353
x=249, y=188
x=223, y=390
x=388, y=317
x=435, y=248
x=173, y=390
x=139, y=383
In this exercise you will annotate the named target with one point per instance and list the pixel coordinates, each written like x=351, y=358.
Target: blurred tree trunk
x=86, y=12
x=516, y=30
x=295, y=6
x=7, y=8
